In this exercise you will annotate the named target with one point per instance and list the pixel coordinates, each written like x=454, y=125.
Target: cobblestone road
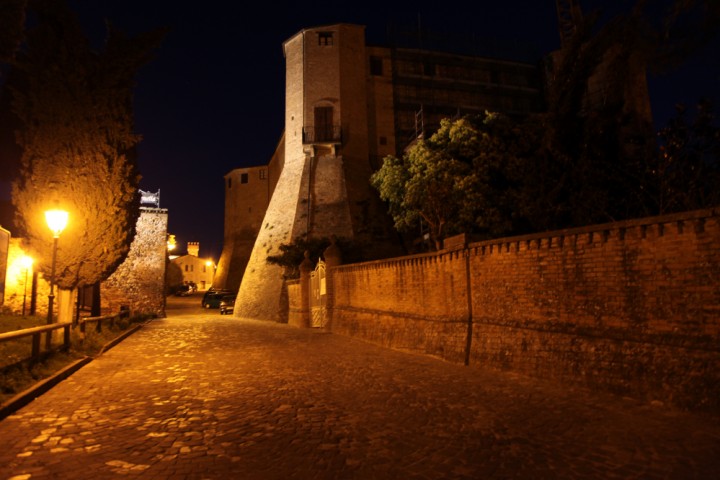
x=204, y=396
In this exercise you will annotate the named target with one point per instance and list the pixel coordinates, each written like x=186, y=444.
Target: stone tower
x=323, y=188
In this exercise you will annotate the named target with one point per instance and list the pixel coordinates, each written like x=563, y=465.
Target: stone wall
x=631, y=307
x=139, y=282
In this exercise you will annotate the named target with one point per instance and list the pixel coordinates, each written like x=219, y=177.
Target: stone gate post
x=305, y=269
x=333, y=258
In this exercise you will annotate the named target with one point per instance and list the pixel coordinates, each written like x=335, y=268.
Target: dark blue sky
x=213, y=98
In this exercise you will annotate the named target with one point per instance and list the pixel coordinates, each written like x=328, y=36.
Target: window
x=429, y=69
x=323, y=124
x=187, y=268
x=263, y=174
x=325, y=38
x=376, y=66
x=243, y=178
x=229, y=183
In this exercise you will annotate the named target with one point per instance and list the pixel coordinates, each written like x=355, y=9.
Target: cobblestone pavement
x=202, y=396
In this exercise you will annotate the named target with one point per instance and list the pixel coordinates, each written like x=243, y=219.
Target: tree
x=686, y=172
x=12, y=21
x=594, y=115
x=292, y=254
x=75, y=106
x=469, y=177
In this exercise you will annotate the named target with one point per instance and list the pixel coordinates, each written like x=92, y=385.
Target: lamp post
x=56, y=220
x=26, y=263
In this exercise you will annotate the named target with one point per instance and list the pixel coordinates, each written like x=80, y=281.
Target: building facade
x=348, y=105
x=197, y=270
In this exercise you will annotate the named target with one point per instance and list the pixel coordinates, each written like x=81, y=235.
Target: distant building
x=348, y=105
x=200, y=271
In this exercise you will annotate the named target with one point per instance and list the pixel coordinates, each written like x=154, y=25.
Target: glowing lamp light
x=57, y=221
x=209, y=263
x=26, y=262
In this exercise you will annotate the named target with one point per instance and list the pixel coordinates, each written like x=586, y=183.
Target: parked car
x=212, y=297
x=227, y=304
x=183, y=291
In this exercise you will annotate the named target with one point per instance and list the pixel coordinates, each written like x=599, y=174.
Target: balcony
x=322, y=135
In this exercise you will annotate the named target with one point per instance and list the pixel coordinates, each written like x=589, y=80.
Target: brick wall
x=631, y=307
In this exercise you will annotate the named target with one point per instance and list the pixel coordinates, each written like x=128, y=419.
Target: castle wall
x=631, y=307
x=245, y=207
x=139, y=282
x=261, y=295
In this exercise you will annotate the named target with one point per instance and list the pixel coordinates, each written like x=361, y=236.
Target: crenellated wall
x=630, y=307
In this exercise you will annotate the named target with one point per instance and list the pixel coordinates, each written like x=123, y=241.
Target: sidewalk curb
x=26, y=396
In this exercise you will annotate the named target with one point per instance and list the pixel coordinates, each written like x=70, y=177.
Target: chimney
x=193, y=248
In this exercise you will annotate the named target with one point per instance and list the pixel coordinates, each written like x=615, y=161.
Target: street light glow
x=57, y=221
x=26, y=262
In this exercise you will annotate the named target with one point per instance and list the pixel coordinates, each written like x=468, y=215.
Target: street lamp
x=56, y=220
x=26, y=263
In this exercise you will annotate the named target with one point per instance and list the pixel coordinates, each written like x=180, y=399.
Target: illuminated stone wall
x=311, y=197
x=631, y=307
x=140, y=281
x=245, y=207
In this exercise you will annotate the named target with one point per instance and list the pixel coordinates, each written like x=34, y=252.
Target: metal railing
x=328, y=134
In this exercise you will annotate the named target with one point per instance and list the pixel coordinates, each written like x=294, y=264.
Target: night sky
x=213, y=97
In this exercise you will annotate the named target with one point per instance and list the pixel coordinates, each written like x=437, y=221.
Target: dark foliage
x=293, y=254
x=78, y=144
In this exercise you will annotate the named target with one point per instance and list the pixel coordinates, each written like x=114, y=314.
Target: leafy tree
x=593, y=115
x=12, y=21
x=173, y=277
x=292, y=254
x=470, y=176
x=685, y=174
x=75, y=105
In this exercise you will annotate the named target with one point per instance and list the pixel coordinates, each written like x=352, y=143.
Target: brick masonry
x=630, y=307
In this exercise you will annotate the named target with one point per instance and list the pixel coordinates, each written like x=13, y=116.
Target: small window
x=243, y=178
x=376, y=66
x=325, y=38
x=191, y=268
x=263, y=174
x=187, y=268
x=429, y=69
x=229, y=183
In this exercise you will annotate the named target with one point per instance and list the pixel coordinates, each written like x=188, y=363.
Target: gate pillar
x=305, y=269
x=333, y=258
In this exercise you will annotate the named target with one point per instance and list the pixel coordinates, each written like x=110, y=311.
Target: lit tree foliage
x=467, y=177
x=78, y=144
